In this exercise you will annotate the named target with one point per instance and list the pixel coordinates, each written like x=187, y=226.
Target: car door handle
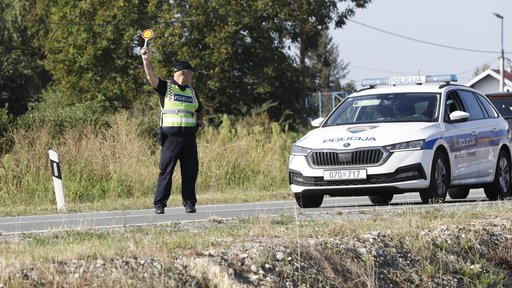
x=495, y=130
x=474, y=133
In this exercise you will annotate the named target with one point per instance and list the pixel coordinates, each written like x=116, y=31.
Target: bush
x=6, y=123
x=60, y=116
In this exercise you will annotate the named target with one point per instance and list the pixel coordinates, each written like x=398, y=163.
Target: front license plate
x=344, y=174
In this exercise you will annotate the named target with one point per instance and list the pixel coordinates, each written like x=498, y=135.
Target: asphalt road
x=98, y=220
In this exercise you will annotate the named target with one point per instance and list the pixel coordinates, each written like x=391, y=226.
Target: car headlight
x=411, y=145
x=300, y=151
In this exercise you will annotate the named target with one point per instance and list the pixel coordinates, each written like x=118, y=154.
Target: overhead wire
x=426, y=42
x=423, y=42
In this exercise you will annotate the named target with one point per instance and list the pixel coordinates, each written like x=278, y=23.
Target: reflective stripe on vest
x=177, y=122
x=176, y=111
x=179, y=107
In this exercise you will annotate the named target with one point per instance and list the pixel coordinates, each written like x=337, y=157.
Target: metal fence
x=323, y=103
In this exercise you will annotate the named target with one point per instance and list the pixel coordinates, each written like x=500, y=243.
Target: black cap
x=184, y=65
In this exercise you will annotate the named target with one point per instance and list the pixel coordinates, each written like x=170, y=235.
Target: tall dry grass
x=245, y=161
x=252, y=154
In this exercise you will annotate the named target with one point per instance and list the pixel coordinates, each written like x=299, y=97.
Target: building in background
x=489, y=81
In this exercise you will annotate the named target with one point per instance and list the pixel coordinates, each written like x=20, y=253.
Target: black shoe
x=159, y=210
x=190, y=207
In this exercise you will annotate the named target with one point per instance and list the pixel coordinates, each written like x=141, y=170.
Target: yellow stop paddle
x=147, y=34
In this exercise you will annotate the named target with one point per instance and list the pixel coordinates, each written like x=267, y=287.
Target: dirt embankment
x=476, y=255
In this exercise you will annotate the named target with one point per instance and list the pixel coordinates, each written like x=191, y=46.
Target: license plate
x=344, y=174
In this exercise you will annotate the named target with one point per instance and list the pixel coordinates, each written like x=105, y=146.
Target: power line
x=426, y=42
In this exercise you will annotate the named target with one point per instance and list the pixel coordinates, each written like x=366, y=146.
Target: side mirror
x=317, y=122
x=458, y=116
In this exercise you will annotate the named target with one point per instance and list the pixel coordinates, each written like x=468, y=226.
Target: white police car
x=404, y=134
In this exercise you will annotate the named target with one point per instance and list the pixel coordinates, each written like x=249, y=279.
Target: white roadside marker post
x=57, y=180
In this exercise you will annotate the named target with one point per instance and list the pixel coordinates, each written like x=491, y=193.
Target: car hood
x=366, y=135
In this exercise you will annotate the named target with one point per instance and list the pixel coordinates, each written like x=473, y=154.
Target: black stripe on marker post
x=55, y=166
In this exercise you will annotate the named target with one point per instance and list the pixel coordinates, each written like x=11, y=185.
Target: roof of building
x=495, y=73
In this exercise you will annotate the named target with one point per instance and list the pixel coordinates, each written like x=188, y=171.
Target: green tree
x=238, y=46
x=481, y=69
x=306, y=19
x=325, y=73
x=349, y=87
x=326, y=69
x=91, y=47
x=22, y=76
x=245, y=48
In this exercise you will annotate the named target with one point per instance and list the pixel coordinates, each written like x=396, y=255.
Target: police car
x=404, y=134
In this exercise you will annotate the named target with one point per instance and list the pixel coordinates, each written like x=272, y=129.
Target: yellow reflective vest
x=179, y=107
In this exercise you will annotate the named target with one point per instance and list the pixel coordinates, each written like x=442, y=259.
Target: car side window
x=472, y=105
x=487, y=106
x=452, y=104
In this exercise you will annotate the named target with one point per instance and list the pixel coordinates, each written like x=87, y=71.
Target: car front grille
x=363, y=157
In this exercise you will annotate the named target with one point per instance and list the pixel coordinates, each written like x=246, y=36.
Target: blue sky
x=467, y=24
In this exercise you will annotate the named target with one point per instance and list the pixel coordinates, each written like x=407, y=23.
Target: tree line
x=254, y=56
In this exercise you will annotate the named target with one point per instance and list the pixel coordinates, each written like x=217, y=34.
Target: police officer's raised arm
x=148, y=68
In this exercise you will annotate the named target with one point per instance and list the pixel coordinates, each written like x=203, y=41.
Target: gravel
x=474, y=255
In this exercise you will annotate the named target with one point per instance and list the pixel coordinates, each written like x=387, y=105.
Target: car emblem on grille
x=346, y=145
x=358, y=129
x=344, y=157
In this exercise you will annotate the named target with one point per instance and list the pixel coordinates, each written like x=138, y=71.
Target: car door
x=462, y=139
x=498, y=131
x=486, y=129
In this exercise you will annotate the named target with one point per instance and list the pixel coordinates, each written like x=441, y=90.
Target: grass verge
x=436, y=246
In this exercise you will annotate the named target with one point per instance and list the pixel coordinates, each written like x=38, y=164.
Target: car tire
x=499, y=189
x=309, y=201
x=458, y=193
x=384, y=199
x=439, y=180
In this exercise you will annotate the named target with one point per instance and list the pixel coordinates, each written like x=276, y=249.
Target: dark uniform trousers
x=184, y=149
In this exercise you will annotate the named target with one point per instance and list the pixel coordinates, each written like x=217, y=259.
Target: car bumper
x=402, y=172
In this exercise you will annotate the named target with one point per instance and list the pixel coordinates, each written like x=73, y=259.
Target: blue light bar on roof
x=442, y=78
x=409, y=80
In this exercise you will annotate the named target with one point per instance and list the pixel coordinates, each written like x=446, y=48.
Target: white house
x=489, y=81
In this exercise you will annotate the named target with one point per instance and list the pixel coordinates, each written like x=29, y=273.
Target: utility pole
x=502, y=62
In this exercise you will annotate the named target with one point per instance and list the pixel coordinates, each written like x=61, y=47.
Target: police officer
x=180, y=118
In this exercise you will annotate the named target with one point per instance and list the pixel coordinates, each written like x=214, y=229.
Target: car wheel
x=381, y=199
x=309, y=201
x=439, y=179
x=458, y=193
x=500, y=187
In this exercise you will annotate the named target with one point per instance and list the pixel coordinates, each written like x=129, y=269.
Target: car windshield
x=394, y=107
x=504, y=105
